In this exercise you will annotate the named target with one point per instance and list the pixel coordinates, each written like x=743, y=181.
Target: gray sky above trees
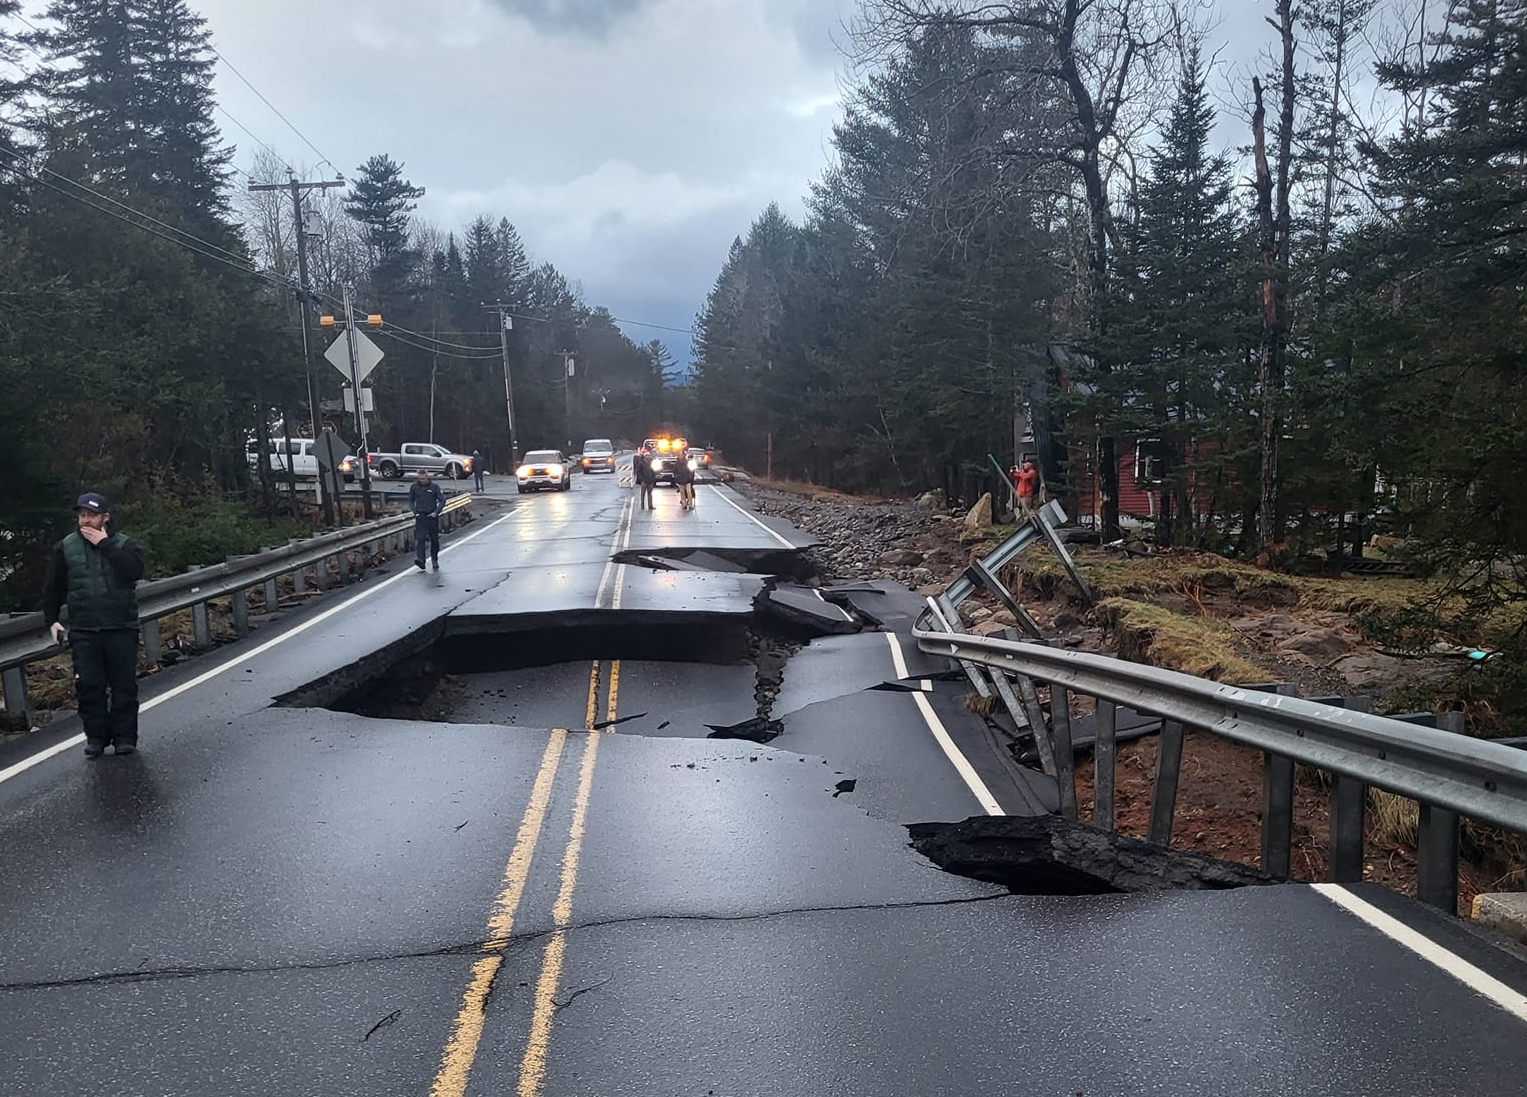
x=628, y=140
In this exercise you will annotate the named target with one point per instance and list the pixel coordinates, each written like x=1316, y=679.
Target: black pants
x=426, y=532
x=477, y=475
x=106, y=663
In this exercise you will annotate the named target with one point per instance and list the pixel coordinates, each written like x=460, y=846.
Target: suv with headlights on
x=544, y=468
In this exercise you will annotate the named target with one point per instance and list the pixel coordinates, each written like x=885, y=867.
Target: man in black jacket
x=93, y=574
x=426, y=501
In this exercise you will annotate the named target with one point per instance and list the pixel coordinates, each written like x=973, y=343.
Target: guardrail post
x=153, y=650
x=1277, y=814
x=1104, y=758
x=272, y=596
x=1065, y=756
x=1278, y=804
x=1037, y=723
x=1349, y=802
x=1437, y=844
x=1168, y=772
x=240, y=599
x=201, y=620
x=299, y=578
x=13, y=682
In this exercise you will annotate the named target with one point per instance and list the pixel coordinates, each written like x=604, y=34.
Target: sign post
x=330, y=453
x=355, y=356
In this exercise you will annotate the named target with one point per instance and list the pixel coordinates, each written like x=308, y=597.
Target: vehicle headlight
x=466, y=463
x=554, y=470
x=523, y=471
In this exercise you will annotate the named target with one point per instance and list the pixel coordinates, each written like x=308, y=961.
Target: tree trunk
x=1269, y=368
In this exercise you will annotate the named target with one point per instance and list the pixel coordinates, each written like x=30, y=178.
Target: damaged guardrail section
x=1447, y=773
x=24, y=639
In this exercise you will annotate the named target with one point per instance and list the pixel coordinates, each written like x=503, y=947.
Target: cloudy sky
x=629, y=140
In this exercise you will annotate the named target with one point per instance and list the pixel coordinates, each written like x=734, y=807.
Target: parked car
x=421, y=455
x=699, y=459
x=598, y=456
x=304, y=463
x=544, y=468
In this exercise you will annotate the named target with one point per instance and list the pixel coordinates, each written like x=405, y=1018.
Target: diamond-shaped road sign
x=367, y=355
x=329, y=450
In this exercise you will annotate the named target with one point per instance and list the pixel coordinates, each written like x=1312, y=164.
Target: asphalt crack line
x=479, y=946
x=560, y=1005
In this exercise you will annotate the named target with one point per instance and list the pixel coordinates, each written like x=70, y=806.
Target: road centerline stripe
x=1476, y=979
x=461, y=1050
x=538, y=1044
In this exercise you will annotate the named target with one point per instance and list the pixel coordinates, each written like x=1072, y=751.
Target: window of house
x=1150, y=463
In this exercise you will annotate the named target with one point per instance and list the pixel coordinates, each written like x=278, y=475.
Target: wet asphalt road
x=286, y=900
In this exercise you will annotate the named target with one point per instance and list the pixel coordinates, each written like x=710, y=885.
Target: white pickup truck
x=437, y=460
x=304, y=463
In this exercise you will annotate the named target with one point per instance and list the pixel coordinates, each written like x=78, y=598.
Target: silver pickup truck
x=434, y=459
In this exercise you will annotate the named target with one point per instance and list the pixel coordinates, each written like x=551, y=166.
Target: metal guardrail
x=24, y=638
x=1447, y=773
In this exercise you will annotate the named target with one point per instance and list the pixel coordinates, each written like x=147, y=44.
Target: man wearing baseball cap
x=92, y=576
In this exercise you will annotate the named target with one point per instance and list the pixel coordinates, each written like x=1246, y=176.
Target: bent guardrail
x=24, y=638
x=1447, y=773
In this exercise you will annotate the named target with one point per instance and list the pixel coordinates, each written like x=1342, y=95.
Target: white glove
x=60, y=634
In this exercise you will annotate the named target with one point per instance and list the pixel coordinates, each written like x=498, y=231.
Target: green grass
x=1195, y=645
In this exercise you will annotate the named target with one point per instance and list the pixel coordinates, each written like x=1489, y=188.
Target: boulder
x=1320, y=646
x=980, y=515
x=932, y=500
x=901, y=558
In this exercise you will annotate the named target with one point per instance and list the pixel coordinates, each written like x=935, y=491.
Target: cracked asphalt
x=273, y=899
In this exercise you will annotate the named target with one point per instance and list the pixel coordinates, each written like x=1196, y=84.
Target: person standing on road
x=1026, y=484
x=646, y=479
x=92, y=574
x=426, y=502
x=684, y=481
x=477, y=469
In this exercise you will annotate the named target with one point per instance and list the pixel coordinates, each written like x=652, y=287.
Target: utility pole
x=568, y=365
x=360, y=403
x=505, y=326
x=305, y=301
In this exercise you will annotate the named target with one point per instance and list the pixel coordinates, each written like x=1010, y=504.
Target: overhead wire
x=316, y=150
x=21, y=157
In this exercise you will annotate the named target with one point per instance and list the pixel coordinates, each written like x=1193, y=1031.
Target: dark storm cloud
x=592, y=18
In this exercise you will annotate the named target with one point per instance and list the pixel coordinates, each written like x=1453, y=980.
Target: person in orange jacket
x=1026, y=486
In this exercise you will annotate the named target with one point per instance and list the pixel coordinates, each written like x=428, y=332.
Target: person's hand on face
x=93, y=527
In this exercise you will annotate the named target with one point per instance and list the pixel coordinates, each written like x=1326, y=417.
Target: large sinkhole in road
x=674, y=675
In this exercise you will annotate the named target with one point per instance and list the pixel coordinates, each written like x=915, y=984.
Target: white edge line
x=41, y=756
x=620, y=569
x=1476, y=979
x=941, y=735
x=956, y=758
x=898, y=660
x=750, y=517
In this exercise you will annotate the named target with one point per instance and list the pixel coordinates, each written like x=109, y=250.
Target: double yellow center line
x=466, y=1034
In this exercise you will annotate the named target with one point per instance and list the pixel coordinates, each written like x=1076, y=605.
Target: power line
x=243, y=266
x=393, y=334
x=264, y=145
x=21, y=156
x=316, y=151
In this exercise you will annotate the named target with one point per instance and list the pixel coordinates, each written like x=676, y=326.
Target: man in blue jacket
x=93, y=573
x=426, y=501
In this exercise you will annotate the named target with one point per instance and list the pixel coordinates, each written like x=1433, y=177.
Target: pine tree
x=381, y=200
x=1177, y=323
x=94, y=88
x=176, y=60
